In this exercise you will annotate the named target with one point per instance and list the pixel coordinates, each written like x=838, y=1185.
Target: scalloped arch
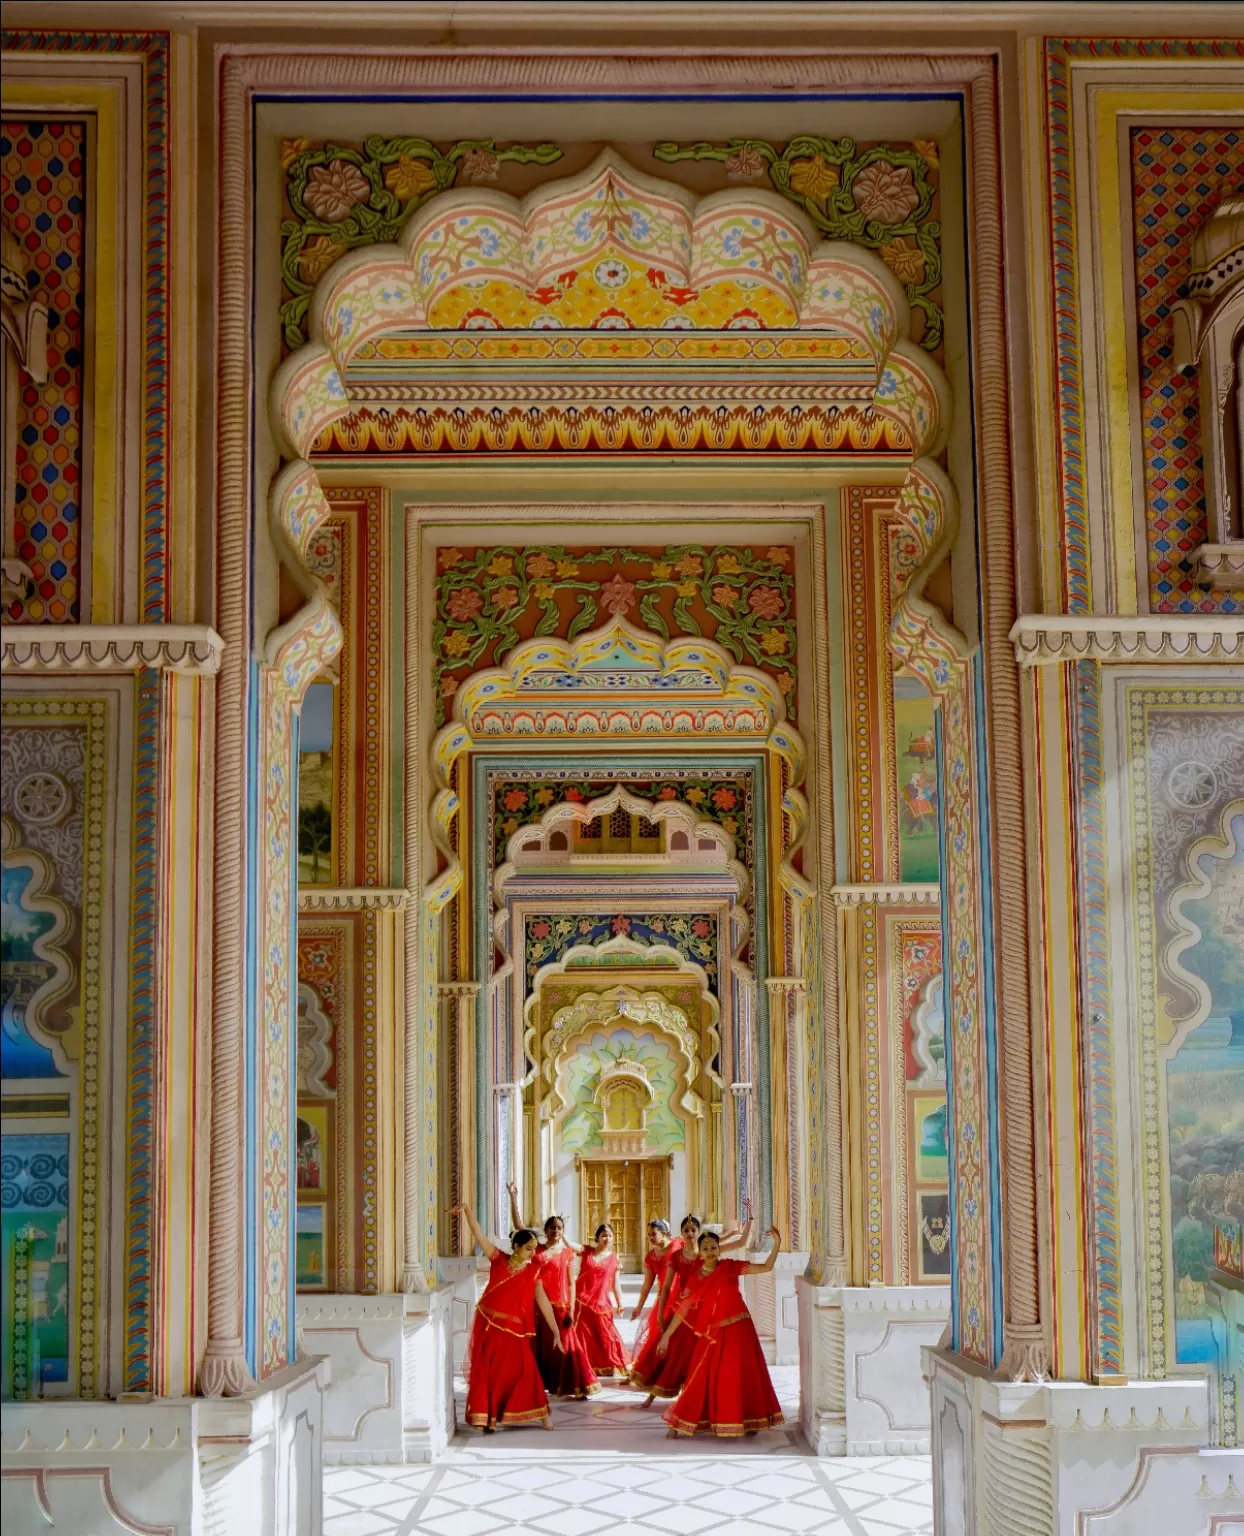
x=1221, y=845
x=469, y=238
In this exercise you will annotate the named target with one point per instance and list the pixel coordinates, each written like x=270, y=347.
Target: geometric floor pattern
x=608, y=1465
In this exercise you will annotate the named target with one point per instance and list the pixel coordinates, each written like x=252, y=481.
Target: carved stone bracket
x=875, y=895
x=1048, y=639
x=53, y=648
x=351, y=899
x=1221, y=566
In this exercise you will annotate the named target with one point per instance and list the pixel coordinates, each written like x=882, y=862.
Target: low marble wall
x=862, y=1388
x=169, y=1466
x=391, y=1397
x=1074, y=1459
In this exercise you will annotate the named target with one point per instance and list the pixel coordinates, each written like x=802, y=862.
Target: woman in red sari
x=728, y=1391
x=598, y=1298
x=656, y=1261
x=503, y=1382
x=661, y=1374
x=563, y=1361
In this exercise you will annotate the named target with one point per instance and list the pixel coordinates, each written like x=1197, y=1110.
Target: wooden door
x=625, y=1185
x=627, y=1193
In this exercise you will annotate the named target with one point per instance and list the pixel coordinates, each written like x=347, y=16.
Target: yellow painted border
x=1112, y=219
x=105, y=321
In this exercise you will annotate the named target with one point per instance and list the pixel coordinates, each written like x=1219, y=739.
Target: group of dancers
x=544, y=1327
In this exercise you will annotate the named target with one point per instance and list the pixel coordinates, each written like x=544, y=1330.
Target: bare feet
x=671, y=1434
x=546, y=1423
x=650, y=1399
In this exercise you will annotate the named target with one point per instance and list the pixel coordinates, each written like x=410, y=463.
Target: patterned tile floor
x=609, y=1464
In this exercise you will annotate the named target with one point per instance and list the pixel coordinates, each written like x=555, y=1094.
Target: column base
x=189, y=1465
x=1069, y=1457
x=391, y=1397
x=862, y=1390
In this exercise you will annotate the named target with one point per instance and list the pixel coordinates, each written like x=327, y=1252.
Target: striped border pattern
x=1106, y=1344
x=1060, y=52
x=153, y=49
x=138, y=1364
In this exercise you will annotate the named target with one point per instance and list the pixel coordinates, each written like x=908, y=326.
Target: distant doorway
x=627, y=1193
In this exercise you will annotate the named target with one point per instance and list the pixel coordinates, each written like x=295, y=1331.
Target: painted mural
x=43, y=194
x=694, y=935
x=580, y=1077
x=488, y=600
x=1205, y=1093
x=316, y=787
x=34, y=1264
x=916, y=756
x=885, y=196
x=25, y=971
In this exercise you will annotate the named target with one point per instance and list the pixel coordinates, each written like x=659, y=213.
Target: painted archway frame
x=468, y=238
x=247, y=75
x=583, y=1004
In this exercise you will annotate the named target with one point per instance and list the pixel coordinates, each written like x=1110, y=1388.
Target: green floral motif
x=724, y=799
x=484, y=595
x=582, y=1125
x=341, y=197
x=879, y=198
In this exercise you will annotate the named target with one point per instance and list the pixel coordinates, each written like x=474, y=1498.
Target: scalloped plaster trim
x=876, y=895
x=55, y=648
x=352, y=899
x=1047, y=639
x=1221, y=565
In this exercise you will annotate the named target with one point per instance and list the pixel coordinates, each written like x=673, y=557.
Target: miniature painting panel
x=316, y=786
x=1205, y=1096
x=928, y=1114
x=34, y=1260
x=654, y=1060
x=916, y=763
x=934, y=1237
x=314, y=1144
x=311, y=1244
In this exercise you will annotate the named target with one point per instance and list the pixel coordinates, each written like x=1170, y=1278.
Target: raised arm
x=490, y=1249
x=770, y=1259
x=738, y=1237
x=515, y=1219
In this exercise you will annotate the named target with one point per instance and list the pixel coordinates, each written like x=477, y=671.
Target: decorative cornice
x=351, y=899
x=878, y=895
x=49, y=649
x=1221, y=566
x=1046, y=639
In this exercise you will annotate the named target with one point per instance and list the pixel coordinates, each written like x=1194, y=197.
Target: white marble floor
x=608, y=1464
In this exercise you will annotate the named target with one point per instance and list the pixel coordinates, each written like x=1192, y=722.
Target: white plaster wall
x=361, y=1336
x=1075, y=1459
x=861, y=1375
x=170, y=1466
x=391, y=1397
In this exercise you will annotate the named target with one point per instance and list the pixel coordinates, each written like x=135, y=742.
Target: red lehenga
x=663, y=1375
x=503, y=1381
x=594, y=1313
x=566, y=1372
x=728, y=1391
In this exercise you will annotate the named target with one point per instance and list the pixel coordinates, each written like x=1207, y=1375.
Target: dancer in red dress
x=656, y=1261
x=728, y=1391
x=662, y=1374
x=598, y=1298
x=503, y=1381
x=564, y=1365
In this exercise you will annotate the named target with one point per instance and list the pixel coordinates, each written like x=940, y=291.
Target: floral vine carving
x=341, y=197
x=488, y=600
x=880, y=198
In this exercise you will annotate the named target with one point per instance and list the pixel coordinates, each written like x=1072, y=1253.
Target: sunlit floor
x=609, y=1464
